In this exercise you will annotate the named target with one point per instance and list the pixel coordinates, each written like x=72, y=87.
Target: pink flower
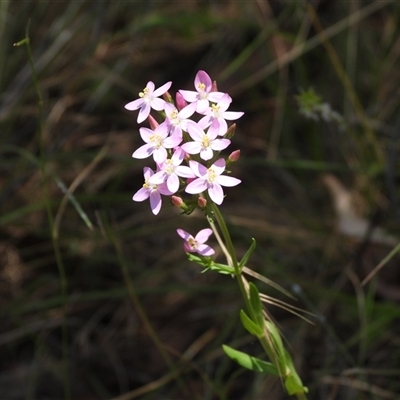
x=196, y=244
x=204, y=143
x=170, y=170
x=148, y=99
x=157, y=142
x=203, y=94
x=151, y=191
x=178, y=119
x=210, y=179
x=217, y=112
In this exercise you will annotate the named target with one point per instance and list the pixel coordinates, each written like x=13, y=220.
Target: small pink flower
x=210, y=179
x=196, y=244
x=148, y=99
x=203, y=94
x=217, y=112
x=157, y=142
x=178, y=120
x=170, y=170
x=204, y=143
x=151, y=191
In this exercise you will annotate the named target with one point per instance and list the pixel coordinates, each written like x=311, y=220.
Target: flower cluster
x=185, y=146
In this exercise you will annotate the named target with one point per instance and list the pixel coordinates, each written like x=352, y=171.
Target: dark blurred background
x=92, y=285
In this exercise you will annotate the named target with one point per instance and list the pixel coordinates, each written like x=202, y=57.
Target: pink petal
x=203, y=235
x=134, y=105
x=189, y=95
x=219, y=166
x=160, y=155
x=184, y=172
x=173, y=183
x=191, y=147
x=216, y=193
x=157, y=104
x=143, y=151
x=183, y=234
x=220, y=144
x=215, y=97
x=155, y=202
x=162, y=89
x=199, y=169
x=150, y=85
x=195, y=132
x=205, y=250
x=228, y=181
x=202, y=77
x=141, y=195
x=232, y=115
x=197, y=186
x=143, y=113
x=206, y=154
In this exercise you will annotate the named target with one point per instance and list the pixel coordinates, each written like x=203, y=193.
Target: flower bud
x=234, y=156
x=168, y=98
x=180, y=101
x=202, y=202
x=153, y=123
x=214, y=87
x=177, y=201
x=230, y=132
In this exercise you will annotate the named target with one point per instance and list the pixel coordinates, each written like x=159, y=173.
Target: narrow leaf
x=250, y=325
x=249, y=362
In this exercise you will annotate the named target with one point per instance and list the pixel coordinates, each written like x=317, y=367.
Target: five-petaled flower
x=210, y=179
x=217, y=112
x=148, y=99
x=178, y=119
x=203, y=94
x=204, y=143
x=151, y=191
x=196, y=244
x=170, y=170
x=157, y=142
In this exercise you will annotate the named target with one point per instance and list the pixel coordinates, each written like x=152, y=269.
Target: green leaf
x=249, y=252
x=293, y=383
x=250, y=325
x=256, y=305
x=249, y=362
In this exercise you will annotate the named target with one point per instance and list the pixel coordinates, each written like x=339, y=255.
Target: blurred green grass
x=94, y=57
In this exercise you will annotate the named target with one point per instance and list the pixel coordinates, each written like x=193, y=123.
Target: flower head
x=196, y=244
x=148, y=99
x=203, y=94
x=151, y=191
x=157, y=142
x=210, y=179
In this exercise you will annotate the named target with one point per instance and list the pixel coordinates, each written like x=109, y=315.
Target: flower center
x=192, y=243
x=149, y=186
x=215, y=109
x=174, y=117
x=169, y=167
x=206, y=141
x=156, y=140
x=211, y=175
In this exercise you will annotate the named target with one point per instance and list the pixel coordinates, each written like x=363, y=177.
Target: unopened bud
x=168, y=98
x=234, y=156
x=202, y=202
x=214, y=87
x=180, y=101
x=177, y=201
x=230, y=132
x=152, y=122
